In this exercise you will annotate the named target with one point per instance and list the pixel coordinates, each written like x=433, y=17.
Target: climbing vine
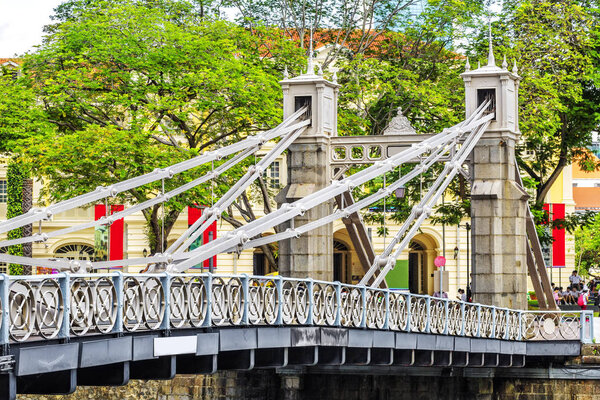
x=14, y=178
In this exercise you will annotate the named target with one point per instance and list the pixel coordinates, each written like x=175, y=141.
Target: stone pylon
x=498, y=203
x=308, y=170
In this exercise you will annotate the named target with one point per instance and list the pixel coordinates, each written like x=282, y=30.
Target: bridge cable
x=425, y=206
x=288, y=211
x=102, y=192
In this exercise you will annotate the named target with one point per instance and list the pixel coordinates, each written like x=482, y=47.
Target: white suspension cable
x=39, y=237
x=296, y=232
x=424, y=208
x=210, y=215
x=36, y=214
x=288, y=211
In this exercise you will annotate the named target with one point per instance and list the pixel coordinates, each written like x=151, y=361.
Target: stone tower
x=310, y=255
x=498, y=204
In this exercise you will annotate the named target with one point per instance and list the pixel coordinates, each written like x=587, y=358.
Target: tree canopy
x=120, y=88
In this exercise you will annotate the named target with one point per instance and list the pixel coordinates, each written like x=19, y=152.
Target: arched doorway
x=422, y=252
x=342, y=271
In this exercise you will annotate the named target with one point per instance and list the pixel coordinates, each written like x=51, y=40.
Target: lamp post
x=468, y=227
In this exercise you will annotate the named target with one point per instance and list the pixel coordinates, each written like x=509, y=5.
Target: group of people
x=577, y=293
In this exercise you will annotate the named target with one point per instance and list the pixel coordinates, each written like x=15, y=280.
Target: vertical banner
x=100, y=235
x=547, y=248
x=558, y=246
x=210, y=234
x=106, y=237
x=116, y=235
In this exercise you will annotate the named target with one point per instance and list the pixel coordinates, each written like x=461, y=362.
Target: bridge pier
x=498, y=203
x=309, y=170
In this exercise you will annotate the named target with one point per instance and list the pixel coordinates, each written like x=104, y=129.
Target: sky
x=21, y=23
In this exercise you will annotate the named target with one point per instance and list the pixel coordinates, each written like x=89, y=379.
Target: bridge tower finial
x=310, y=68
x=491, y=59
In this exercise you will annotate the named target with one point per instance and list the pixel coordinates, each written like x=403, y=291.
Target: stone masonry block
x=481, y=154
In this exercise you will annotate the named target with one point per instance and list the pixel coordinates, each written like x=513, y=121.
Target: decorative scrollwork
x=50, y=308
x=198, y=301
x=218, y=303
x=82, y=310
x=21, y=309
x=418, y=314
x=357, y=307
x=133, y=304
x=288, y=305
x=376, y=309
x=178, y=302
x=437, y=310
x=302, y=300
x=105, y=305
x=501, y=319
x=455, y=319
x=471, y=320
x=487, y=322
x=235, y=301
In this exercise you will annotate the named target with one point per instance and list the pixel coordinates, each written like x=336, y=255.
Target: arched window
x=75, y=251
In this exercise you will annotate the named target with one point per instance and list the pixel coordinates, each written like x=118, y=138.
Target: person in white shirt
x=575, y=279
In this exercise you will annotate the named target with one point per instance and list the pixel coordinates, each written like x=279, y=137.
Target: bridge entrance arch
x=422, y=252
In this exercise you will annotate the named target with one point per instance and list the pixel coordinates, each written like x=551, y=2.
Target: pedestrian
x=462, y=296
x=575, y=279
x=574, y=294
x=583, y=299
x=557, y=296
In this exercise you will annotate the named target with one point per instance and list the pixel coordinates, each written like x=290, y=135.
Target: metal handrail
x=43, y=307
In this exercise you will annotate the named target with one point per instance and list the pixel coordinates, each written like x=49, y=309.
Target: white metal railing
x=66, y=305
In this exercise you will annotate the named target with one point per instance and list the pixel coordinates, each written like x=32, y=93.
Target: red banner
x=210, y=234
x=115, y=231
x=558, y=246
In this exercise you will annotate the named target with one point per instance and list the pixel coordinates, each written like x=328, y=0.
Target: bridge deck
x=95, y=360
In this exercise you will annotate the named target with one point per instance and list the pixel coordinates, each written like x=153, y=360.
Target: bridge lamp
x=144, y=253
x=400, y=192
x=456, y=252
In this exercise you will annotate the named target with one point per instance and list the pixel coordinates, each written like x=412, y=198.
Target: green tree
x=587, y=246
x=555, y=45
x=128, y=87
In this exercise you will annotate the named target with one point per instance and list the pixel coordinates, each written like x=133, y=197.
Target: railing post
x=4, y=329
x=338, y=300
x=507, y=330
x=363, y=321
x=520, y=335
x=386, y=322
x=408, y=313
x=478, y=320
x=64, y=281
x=246, y=297
x=279, y=288
x=118, y=282
x=310, y=285
x=463, y=319
x=493, y=335
x=586, y=318
x=208, y=285
x=165, y=280
x=446, y=301
x=428, y=323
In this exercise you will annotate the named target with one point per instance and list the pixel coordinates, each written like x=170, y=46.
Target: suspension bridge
x=81, y=327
